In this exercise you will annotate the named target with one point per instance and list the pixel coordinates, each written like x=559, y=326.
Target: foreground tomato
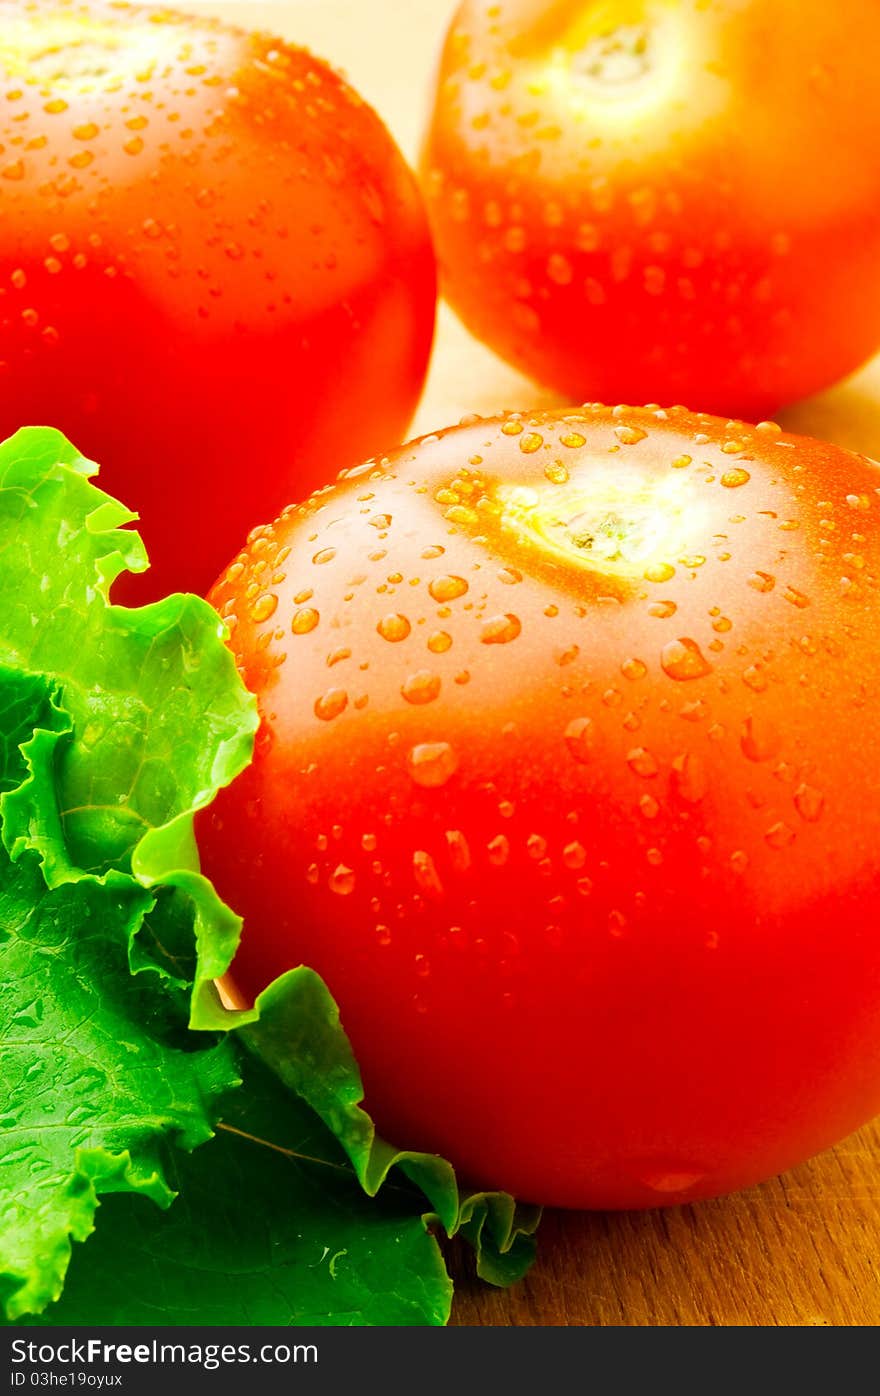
x=215, y=273
x=664, y=198
x=568, y=785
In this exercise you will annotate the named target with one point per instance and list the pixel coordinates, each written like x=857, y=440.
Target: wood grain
x=803, y=1249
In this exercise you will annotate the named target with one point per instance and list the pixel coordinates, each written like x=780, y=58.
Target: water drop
x=431, y=764
x=683, y=659
x=633, y=669
x=689, y=777
x=530, y=442
x=809, y=803
x=394, y=627
x=421, y=687
x=762, y=581
x=556, y=473
x=754, y=679
x=759, y=739
x=264, y=607
x=779, y=835
x=447, y=588
x=662, y=610
x=630, y=436
x=341, y=881
x=580, y=738
x=459, y=852
x=500, y=630
x=659, y=572
x=732, y=479
x=331, y=704
x=498, y=851
x=642, y=763
x=425, y=873
x=304, y=620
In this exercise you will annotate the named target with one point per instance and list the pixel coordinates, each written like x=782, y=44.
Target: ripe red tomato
x=567, y=783
x=663, y=200
x=215, y=272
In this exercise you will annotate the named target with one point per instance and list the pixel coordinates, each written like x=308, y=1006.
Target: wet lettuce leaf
x=117, y=1057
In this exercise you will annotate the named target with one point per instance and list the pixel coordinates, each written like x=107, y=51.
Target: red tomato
x=663, y=201
x=215, y=272
x=568, y=785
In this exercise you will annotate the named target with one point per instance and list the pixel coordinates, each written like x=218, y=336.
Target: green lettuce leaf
x=261, y=1234
x=294, y=1028
x=97, y=1066
x=116, y=726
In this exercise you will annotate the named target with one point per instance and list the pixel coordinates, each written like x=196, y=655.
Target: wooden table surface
x=803, y=1249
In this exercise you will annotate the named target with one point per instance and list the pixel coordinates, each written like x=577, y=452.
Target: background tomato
x=215, y=273
x=567, y=784
x=662, y=200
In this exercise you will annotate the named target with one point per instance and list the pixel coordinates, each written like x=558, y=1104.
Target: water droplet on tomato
x=633, y=669
x=759, y=739
x=421, y=687
x=779, y=835
x=809, y=802
x=683, y=659
x=669, y=1179
x=304, y=620
x=431, y=764
x=556, y=473
x=580, y=738
x=732, y=479
x=264, y=607
x=425, y=873
x=331, y=704
x=498, y=851
x=762, y=581
x=617, y=924
x=567, y=656
x=342, y=880
x=662, y=610
x=447, y=588
x=394, y=627
x=689, y=777
x=459, y=852
x=500, y=630
x=630, y=436
x=439, y=642
x=754, y=678
x=642, y=763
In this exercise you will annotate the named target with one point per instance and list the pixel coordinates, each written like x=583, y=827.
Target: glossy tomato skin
x=567, y=783
x=215, y=271
x=664, y=200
